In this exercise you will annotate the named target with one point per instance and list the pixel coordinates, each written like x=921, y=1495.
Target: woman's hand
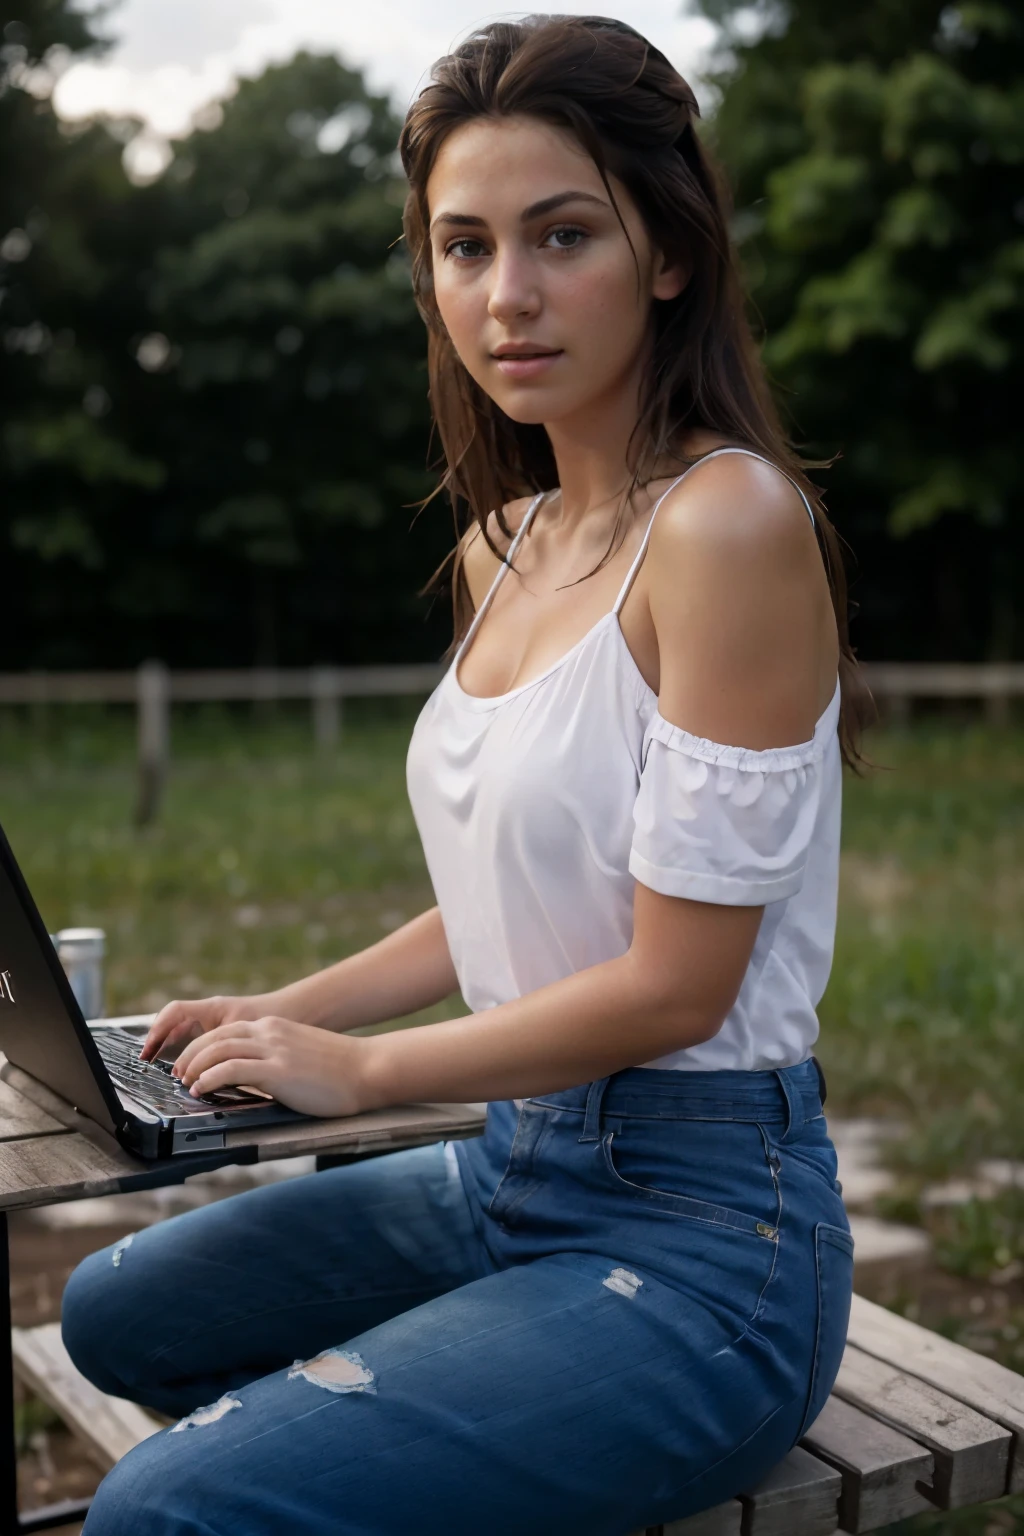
x=178, y=1023
x=309, y=1069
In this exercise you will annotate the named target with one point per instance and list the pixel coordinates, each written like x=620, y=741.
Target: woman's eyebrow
x=547, y=204
x=535, y=210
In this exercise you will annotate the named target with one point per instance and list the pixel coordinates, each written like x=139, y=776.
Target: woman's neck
x=591, y=454
x=595, y=454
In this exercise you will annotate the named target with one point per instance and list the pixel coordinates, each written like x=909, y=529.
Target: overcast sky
x=174, y=55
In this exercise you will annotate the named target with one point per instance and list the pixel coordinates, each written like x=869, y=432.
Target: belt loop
x=794, y=1104
x=592, y=1118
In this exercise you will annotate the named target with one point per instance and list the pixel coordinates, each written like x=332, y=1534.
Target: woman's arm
x=746, y=642
x=409, y=969
x=672, y=988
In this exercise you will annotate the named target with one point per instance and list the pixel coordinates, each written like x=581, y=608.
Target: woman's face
x=533, y=274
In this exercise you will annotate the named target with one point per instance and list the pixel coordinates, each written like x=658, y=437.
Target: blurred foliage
x=1003, y=1517
x=877, y=157
x=269, y=859
x=921, y=1019
x=32, y=1417
x=213, y=415
x=213, y=385
x=981, y=1237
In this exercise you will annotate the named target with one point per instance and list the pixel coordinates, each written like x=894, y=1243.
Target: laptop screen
x=41, y=1026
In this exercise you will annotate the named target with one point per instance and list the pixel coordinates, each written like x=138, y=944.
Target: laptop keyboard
x=152, y=1082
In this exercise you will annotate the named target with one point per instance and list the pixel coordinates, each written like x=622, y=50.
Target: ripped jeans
x=622, y=1304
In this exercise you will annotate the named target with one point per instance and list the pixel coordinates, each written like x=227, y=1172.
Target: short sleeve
x=723, y=824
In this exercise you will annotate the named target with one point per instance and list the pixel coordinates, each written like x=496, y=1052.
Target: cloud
x=175, y=55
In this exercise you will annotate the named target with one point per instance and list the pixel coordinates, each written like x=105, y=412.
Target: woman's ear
x=670, y=277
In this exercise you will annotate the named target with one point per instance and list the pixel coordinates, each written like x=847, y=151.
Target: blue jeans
x=622, y=1304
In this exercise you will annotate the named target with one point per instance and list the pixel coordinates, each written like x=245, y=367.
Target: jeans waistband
x=785, y=1098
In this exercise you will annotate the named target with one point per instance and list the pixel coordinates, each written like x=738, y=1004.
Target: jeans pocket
x=715, y=1172
x=833, y=1254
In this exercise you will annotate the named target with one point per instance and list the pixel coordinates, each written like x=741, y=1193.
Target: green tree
x=876, y=153
x=292, y=382
x=62, y=461
x=214, y=385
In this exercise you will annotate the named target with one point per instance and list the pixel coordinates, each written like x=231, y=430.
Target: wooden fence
x=152, y=689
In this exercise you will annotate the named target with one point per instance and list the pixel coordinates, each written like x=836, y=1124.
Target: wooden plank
x=383, y=1130
x=44, y=1098
x=49, y=1169
x=109, y=1426
x=885, y=1474
x=985, y=1385
x=992, y=680
x=90, y=1162
x=915, y=679
x=153, y=751
x=800, y=1495
x=971, y=1452
x=302, y=683
x=19, y=1117
x=67, y=687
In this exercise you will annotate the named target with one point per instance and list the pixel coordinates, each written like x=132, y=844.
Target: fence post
x=326, y=707
x=39, y=713
x=997, y=709
x=897, y=706
x=153, y=693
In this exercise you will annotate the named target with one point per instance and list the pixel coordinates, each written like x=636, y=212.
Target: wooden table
x=915, y=1423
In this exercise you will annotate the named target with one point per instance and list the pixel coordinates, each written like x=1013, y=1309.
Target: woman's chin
x=524, y=414
x=535, y=408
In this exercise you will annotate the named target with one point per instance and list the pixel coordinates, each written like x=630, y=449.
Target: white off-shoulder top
x=540, y=808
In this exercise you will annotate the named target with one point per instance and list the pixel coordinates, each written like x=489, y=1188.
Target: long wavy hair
x=636, y=117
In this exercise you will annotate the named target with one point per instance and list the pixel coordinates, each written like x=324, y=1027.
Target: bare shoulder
x=740, y=603
x=478, y=561
x=738, y=509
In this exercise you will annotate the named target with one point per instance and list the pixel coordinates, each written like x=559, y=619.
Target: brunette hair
x=636, y=117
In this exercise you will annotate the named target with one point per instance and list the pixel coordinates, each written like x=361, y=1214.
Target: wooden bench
x=915, y=1423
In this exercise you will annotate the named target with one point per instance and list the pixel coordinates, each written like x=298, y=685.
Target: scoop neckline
x=492, y=700
x=483, y=702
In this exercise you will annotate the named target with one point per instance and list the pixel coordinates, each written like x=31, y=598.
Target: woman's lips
x=526, y=365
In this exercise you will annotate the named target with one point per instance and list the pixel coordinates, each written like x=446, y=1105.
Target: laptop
x=95, y=1066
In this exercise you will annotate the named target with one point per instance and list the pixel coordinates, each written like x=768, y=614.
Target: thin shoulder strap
x=499, y=576
x=638, y=559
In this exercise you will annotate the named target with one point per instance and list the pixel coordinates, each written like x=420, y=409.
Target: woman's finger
x=215, y=1051
x=247, y=1071
x=181, y=1035
x=168, y=1019
x=240, y=1029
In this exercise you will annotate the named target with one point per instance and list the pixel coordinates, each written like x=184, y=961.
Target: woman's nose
x=513, y=291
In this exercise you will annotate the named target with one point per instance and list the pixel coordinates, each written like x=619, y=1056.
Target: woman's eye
x=567, y=237
x=459, y=248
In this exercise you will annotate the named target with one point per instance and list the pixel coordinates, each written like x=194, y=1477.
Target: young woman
x=628, y=1299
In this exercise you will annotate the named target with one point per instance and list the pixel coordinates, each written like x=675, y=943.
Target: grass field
x=923, y=1011
x=268, y=862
